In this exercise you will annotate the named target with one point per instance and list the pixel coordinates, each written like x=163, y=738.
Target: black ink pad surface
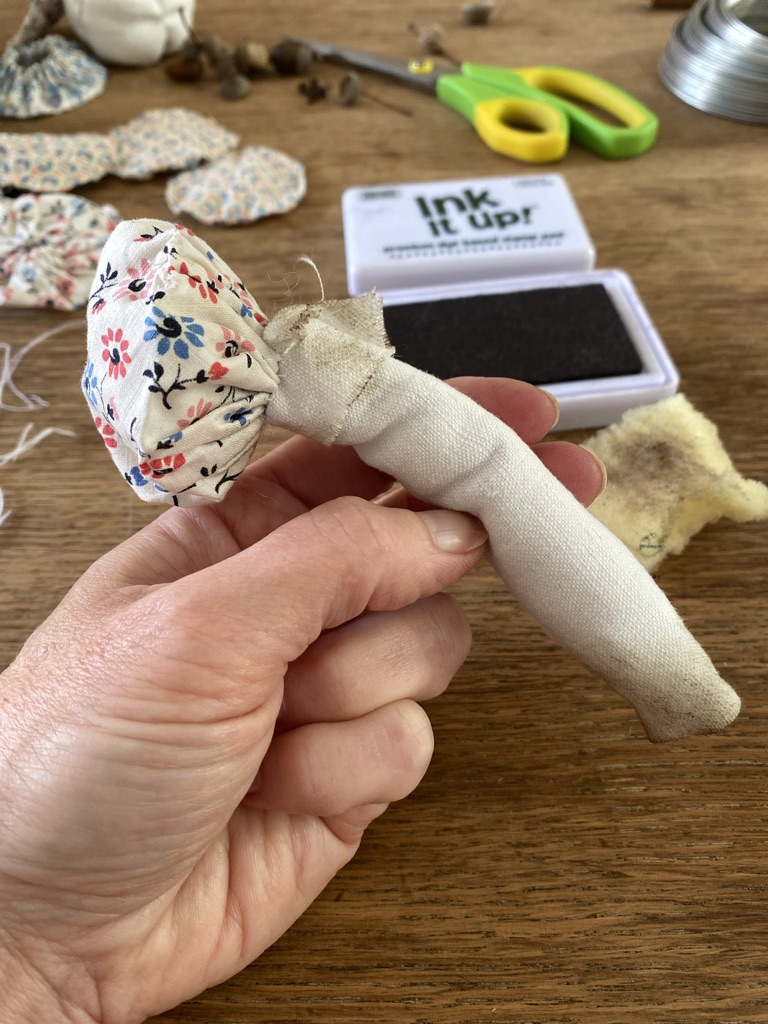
x=585, y=337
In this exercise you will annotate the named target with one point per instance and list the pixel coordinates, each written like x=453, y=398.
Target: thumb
x=265, y=605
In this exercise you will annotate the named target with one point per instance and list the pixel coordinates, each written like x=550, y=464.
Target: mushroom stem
x=340, y=384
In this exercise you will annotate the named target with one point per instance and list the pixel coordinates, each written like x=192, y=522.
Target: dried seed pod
x=351, y=91
x=214, y=48
x=225, y=67
x=313, y=89
x=477, y=13
x=191, y=49
x=252, y=60
x=430, y=39
x=235, y=87
x=292, y=58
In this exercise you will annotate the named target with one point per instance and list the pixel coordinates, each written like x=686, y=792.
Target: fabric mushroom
x=195, y=368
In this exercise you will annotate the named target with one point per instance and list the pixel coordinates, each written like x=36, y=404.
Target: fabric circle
x=49, y=249
x=48, y=162
x=242, y=187
x=168, y=140
x=178, y=373
x=48, y=76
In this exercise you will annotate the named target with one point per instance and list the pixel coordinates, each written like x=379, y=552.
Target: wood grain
x=554, y=867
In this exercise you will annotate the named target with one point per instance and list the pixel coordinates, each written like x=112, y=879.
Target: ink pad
x=586, y=338
x=494, y=277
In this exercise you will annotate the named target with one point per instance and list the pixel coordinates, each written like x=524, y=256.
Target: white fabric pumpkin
x=135, y=34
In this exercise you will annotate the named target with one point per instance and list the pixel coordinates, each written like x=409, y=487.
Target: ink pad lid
x=476, y=229
x=585, y=337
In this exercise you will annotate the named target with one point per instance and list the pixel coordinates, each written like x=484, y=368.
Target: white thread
x=9, y=363
x=25, y=442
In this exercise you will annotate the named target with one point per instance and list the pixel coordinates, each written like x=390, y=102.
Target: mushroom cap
x=178, y=373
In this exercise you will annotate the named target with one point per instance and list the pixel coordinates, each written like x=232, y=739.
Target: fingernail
x=454, y=531
x=604, y=471
x=555, y=405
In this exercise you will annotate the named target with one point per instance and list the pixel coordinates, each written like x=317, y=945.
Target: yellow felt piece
x=668, y=476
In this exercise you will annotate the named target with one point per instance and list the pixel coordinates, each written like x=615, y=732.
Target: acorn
x=252, y=60
x=184, y=69
x=291, y=57
x=477, y=13
x=214, y=48
x=235, y=87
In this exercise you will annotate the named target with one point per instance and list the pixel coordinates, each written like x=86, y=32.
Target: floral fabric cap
x=47, y=76
x=155, y=141
x=242, y=187
x=178, y=374
x=49, y=248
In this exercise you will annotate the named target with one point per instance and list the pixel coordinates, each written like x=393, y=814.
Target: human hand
x=284, y=635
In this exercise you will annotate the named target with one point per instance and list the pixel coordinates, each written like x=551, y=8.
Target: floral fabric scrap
x=49, y=249
x=241, y=187
x=47, y=76
x=155, y=141
x=178, y=375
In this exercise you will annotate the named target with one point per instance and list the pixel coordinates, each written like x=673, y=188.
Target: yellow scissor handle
x=631, y=128
x=516, y=126
x=530, y=131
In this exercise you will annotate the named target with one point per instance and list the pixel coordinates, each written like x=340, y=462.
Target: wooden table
x=554, y=866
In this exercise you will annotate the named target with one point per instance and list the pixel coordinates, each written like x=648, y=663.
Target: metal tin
x=717, y=59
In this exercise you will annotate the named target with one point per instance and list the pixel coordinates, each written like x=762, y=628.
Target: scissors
x=527, y=113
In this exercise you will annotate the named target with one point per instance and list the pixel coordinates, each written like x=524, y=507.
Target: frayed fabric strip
x=332, y=376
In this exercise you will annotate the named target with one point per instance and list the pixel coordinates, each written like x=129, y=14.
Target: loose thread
x=303, y=258
x=25, y=442
x=9, y=364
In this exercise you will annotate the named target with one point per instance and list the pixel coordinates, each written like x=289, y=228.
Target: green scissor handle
x=561, y=89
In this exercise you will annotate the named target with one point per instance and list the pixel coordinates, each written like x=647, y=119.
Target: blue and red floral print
x=178, y=374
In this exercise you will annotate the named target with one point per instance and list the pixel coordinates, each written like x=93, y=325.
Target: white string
x=25, y=442
x=9, y=362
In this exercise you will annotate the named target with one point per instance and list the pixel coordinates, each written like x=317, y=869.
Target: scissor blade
x=418, y=76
